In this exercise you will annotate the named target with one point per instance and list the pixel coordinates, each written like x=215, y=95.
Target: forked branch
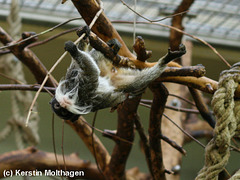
x=26, y=56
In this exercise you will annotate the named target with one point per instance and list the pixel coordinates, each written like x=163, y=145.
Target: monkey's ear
x=71, y=48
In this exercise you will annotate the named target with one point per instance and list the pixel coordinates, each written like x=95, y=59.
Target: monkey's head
x=63, y=112
x=67, y=104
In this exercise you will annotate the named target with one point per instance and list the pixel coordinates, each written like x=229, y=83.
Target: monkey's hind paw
x=85, y=30
x=115, y=45
x=71, y=48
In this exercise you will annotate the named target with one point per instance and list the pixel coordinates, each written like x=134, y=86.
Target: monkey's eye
x=56, y=105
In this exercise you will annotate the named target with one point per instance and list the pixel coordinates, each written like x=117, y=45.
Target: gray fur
x=90, y=83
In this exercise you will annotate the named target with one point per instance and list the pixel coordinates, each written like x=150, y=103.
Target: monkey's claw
x=85, y=30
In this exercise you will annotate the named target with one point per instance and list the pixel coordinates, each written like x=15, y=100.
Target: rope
x=227, y=112
x=20, y=100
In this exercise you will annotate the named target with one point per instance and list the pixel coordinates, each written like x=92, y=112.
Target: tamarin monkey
x=92, y=83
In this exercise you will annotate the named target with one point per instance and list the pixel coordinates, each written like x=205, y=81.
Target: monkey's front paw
x=85, y=30
x=71, y=48
x=115, y=45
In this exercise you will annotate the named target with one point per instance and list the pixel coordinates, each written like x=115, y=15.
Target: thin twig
x=235, y=142
x=52, y=37
x=173, y=144
x=183, y=32
x=144, y=142
x=46, y=78
x=124, y=3
x=94, y=150
x=51, y=94
x=184, y=99
x=184, y=132
x=174, y=108
x=2, y=52
x=176, y=29
x=173, y=15
x=45, y=40
x=26, y=87
x=54, y=144
x=41, y=33
x=174, y=95
x=62, y=146
x=108, y=134
x=57, y=62
x=10, y=78
x=235, y=148
x=190, y=136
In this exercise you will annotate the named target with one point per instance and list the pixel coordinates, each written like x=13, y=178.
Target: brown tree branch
x=103, y=27
x=171, y=158
x=173, y=144
x=85, y=133
x=104, y=48
x=159, y=100
x=140, y=49
x=127, y=113
x=196, y=71
x=144, y=144
x=202, y=107
x=2, y=52
x=176, y=37
x=27, y=57
x=25, y=87
x=201, y=83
